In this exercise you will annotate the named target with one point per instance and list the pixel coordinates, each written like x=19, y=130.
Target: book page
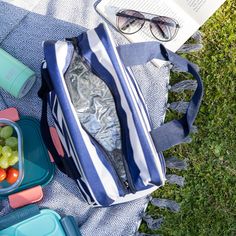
x=109, y=8
x=188, y=26
x=200, y=10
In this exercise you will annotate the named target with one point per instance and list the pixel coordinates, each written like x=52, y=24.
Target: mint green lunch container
x=15, y=77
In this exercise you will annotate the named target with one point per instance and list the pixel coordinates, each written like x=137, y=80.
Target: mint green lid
x=47, y=223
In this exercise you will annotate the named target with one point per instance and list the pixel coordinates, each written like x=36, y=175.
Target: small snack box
x=11, y=156
x=34, y=165
x=31, y=221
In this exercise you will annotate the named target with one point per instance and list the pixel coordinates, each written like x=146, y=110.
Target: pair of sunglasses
x=162, y=28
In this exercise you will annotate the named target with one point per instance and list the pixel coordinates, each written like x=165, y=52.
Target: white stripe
x=149, y=138
x=61, y=49
x=137, y=86
x=104, y=175
x=139, y=103
x=147, y=131
x=143, y=103
x=98, y=48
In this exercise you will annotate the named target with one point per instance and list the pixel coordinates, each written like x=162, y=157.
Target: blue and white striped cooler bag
x=111, y=149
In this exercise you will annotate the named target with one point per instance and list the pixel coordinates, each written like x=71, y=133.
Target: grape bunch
x=8, y=150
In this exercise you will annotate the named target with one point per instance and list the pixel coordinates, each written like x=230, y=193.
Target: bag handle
x=176, y=131
x=64, y=164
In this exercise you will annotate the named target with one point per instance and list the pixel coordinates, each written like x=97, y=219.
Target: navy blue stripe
x=102, y=73
x=154, y=174
x=51, y=98
x=89, y=170
x=64, y=133
x=75, y=156
x=54, y=109
x=105, y=75
x=85, y=188
x=82, y=192
x=101, y=153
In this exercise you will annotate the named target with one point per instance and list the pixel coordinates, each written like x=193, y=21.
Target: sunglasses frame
x=121, y=14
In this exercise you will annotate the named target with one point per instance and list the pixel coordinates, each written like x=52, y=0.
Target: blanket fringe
x=175, y=179
x=175, y=163
x=152, y=223
x=192, y=47
x=180, y=106
x=189, y=47
x=144, y=234
x=166, y=204
x=183, y=85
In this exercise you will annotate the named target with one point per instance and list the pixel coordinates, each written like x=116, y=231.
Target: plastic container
x=38, y=168
x=31, y=220
x=5, y=187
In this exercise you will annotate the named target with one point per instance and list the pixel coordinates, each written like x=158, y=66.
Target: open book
x=190, y=14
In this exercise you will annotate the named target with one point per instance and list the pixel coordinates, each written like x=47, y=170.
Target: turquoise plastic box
x=38, y=169
x=30, y=221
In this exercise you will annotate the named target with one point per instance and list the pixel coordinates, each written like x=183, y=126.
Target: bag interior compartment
x=96, y=110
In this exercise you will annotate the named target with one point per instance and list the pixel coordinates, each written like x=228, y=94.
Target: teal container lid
x=38, y=169
x=31, y=221
x=46, y=223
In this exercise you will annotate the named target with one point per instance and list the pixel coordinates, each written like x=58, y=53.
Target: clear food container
x=11, y=162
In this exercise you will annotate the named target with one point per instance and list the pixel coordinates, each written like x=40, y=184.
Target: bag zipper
x=124, y=183
x=129, y=183
x=109, y=159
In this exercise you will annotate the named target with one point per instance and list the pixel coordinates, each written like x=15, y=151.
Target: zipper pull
x=126, y=184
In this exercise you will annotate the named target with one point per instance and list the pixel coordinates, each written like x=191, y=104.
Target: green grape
x=4, y=162
x=13, y=159
x=12, y=142
x=2, y=142
x=0, y=149
x=6, y=132
x=6, y=151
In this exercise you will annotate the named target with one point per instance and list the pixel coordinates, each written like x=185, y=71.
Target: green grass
x=208, y=200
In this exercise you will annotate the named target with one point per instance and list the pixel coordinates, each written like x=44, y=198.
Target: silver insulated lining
x=95, y=108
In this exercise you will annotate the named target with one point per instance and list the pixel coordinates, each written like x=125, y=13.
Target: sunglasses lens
x=163, y=28
x=129, y=22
